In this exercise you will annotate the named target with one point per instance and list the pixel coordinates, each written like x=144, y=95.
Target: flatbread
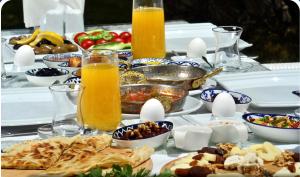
x=104, y=159
x=71, y=156
x=37, y=154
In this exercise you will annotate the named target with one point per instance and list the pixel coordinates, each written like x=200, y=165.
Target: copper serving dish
x=188, y=77
x=134, y=96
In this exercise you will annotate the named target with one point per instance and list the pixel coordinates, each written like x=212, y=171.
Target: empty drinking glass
x=65, y=98
x=227, y=51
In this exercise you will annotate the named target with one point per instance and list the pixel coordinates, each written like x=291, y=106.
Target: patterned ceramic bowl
x=184, y=63
x=53, y=60
x=242, y=101
x=148, y=62
x=285, y=135
x=153, y=141
x=46, y=80
x=73, y=80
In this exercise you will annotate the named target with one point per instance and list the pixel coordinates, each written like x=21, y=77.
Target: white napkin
x=35, y=11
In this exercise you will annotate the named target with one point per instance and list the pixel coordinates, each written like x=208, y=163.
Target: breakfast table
x=26, y=107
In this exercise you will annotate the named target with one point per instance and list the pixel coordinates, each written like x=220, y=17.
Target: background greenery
x=271, y=25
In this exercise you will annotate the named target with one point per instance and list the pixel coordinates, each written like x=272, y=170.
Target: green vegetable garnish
x=126, y=171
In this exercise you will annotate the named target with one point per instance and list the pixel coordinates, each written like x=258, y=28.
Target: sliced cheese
x=209, y=157
x=180, y=166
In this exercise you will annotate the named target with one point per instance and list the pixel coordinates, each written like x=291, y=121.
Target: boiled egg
x=152, y=110
x=196, y=48
x=24, y=56
x=223, y=105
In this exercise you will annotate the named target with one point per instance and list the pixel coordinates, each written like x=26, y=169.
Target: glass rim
x=91, y=50
x=235, y=29
x=52, y=87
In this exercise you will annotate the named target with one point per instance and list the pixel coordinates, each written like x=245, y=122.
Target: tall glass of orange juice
x=148, y=29
x=100, y=103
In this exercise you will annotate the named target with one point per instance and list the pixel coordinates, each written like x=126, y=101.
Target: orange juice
x=148, y=33
x=100, y=101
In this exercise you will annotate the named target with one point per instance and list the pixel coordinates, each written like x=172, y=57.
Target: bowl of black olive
x=241, y=100
x=46, y=76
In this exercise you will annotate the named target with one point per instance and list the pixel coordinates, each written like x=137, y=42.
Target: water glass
x=65, y=98
x=227, y=51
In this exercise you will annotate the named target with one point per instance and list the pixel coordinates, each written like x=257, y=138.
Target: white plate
x=178, y=36
x=191, y=104
x=180, y=44
x=37, y=57
x=267, y=88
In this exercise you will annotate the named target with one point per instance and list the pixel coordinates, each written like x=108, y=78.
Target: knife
x=25, y=130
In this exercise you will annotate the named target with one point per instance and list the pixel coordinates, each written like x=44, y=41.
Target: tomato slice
x=114, y=34
x=87, y=43
x=118, y=40
x=101, y=41
x=78, y=35
x=125, y=35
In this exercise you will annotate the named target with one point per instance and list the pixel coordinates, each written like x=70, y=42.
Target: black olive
x=67, y=41
x=17, y=46
x=44, y=41
x=48, y=72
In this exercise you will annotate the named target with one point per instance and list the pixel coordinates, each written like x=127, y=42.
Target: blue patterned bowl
x=53, y=60
x=125, y=55
x=45, y=80
x=73, y=80
x=148, y=62
x=184, y=63
x=154, y=141
x=285, y=135
x=242, y=101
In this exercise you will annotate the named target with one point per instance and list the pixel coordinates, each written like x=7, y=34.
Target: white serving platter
x=37, y=57
x=191, y=104
x=266, y=88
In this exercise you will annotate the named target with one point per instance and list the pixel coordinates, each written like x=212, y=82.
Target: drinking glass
x=148, y=29
x=227, y=52
x=65, y=98
x=100, y=105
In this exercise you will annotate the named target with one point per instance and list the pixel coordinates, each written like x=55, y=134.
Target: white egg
x=196, y=48
x=24, y=56
x=152, y=110
x=223, y=105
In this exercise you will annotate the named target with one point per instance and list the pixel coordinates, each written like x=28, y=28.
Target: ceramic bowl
x=124, y=55
x=148, y=62
x=73, y=80
x=284, y=135
x=53, y=60
x=66, y=65
x=45, y=80
x=184, y=63
x=172, y=97
x=154, y=141
x=242, y=101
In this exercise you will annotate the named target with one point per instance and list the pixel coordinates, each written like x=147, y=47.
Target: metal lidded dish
x=134, y=96
x=187, y=76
